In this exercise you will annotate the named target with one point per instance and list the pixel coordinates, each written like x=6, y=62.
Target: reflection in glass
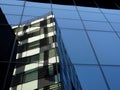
x=78, y=47
x=112, y=74
x=35, y=11
x=107, y=47
x=112, y=17
x=92, y=16
x=103, y=26
x=116, y=26
x=88, y=9
x=90, y=77
x=66, y=7
x=66, y=14
x=11, y=18
x=69, y=23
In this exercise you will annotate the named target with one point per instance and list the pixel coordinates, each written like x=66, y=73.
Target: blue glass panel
x=113, y=17
x=55, y=6
x=8, y=9
x=90, y=25
x=78, y=47
x=35, y=11
x=116, y=26
x=111, y=11
x=90, y=78
x=26, y=18
x=11, y=2
x=92, y=16
x=69, y=23
x=113, y=76
x=33, y=4
x=88, y=9
x=66, y=14
x=107, y=47
x=118, y=34
x=12, y=19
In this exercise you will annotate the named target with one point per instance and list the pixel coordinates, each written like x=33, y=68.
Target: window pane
x=16, y=10
x=25, y=18
x=113, y=17
x=35, y=11
x=64, y=7
x=88, y=9
x=52, y=53
x=13, y=20
x=116, y=26
x=69, y=23
x=66, y=14
x=90, y=78
x=12, y=2
x=30, y=76
x=111, y=11
x=113, y=76
x=78, y=47
x=107, y=47
x=39, y=5
x=104, y=26
x=92, y=16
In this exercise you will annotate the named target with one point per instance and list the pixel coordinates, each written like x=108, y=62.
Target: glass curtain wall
x=91, y=37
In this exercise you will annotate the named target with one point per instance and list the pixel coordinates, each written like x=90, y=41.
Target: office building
x=88, y=39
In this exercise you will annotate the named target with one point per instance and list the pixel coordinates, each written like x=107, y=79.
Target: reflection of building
x=88, y=39
x=91, y=36
x=7, y=54
x=37, y=60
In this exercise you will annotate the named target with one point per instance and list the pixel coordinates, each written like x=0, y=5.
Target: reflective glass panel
x=35, y=11
x=111, y=11
x=13, y=20
x=112, y=17
x=92, y=16
x=113, y=76
x=16, y=10
x=66, y=14
x=11, y=2
x=69, y=23
x=33, y=4
x=27, y=18
x=103, y=26
x=90, y=77
x=78, y=47
x=88, y=9
x=107, y=47
x=67, y=7
x=116, y=26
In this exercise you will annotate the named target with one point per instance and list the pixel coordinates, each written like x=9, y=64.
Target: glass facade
x=88, y=41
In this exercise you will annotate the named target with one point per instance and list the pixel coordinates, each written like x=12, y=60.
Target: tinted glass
x=112, y=74
x=88, y=9
x=35, y=11
x=69, y=23
x=92, y=16
x=66, y=14
x=102, y=26
x=78, y=47
x=90, y=78
x=110, y=11
x=112, y=17
x=116, y=26
x=55, y=6
x=107, y=47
